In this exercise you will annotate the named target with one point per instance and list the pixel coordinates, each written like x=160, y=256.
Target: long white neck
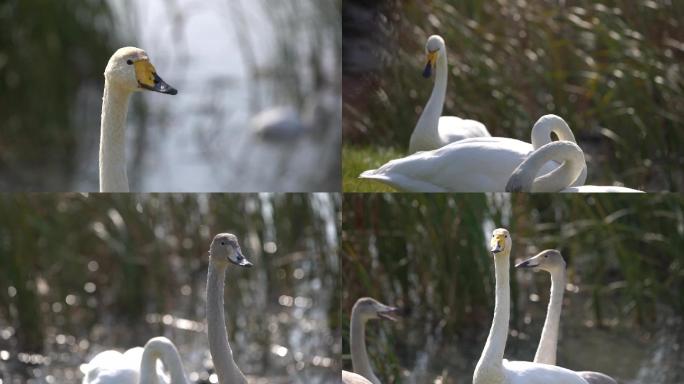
x=426, y=133
x=163, y=349
x=113, y=176
x=546, y=351
x=564, y=152
x=360, y=362
x=221, y=354
x=489, y=368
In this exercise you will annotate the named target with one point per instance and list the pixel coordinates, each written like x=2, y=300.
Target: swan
x=523, y=177
x=434, y=130
x=137, y=365
x=224, y=250
x=364, y=309
x=551, y=261
x=481, y=164
x=492, y=368
x=128, y=70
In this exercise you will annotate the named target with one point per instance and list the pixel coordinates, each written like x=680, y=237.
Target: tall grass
x=612, y=69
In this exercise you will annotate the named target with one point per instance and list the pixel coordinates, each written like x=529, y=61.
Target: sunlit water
x=202, y=139
x=280, y=331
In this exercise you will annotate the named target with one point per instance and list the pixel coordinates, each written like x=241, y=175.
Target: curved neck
x=567, y=153
x=221, y=354
x=541, y=132
x=168, y=354
x=360, y=362
x=113, y=176
x=428, y=122
x=546, y=351
x=490, y=366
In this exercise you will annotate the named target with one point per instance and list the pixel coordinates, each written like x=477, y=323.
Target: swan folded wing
x=525, y=372
x=600, y=189
x=452, y=129
x=110, y=367
x=353, y=378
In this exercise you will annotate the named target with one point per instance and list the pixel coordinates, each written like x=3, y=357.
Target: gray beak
x=527, y=264
x=241, y=261
x=389, y=313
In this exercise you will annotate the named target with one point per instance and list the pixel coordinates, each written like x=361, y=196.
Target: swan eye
x=129, y=62
x=223, y=243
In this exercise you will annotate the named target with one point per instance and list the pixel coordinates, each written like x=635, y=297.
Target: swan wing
x=525, y=372
x=452, y=129
x=110, y=367
x=481, y=164
x=597, y=377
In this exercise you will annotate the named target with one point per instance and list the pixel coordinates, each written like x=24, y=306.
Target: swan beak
x=496, y=244
x=241, y=261
x=431, y=59
x=388, y=313
x=529, y=263
x=148, y=79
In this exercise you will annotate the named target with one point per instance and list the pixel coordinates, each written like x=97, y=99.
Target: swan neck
x=359, y=354
x=546, y=352
x=112, y=165
x=541, y=132
x=168, y=354
x=491, y=362
x=427, y=128
x=572, y=164
x=221, y=353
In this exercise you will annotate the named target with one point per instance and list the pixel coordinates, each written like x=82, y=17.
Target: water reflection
x=110, y=272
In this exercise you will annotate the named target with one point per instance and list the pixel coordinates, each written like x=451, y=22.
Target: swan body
x=492, y=368
x=224, y=250
x=434, y=130
x=364, y=309
x=552, y=261
x=129, y=70
x=354, y=378
x=278, y=123
x=573, y=164
x=481, y=164
x=137, y=365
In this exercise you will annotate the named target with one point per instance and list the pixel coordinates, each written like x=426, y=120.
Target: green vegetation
x=427, y=254
x=359, y=159
x=611, y=68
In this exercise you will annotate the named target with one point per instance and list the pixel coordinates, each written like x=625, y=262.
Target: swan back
x=113, y=367
x=353, y=378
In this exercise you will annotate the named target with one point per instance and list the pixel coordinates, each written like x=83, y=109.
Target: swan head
x=433, y=48
x=130, y=68
x=226, y=249
x=549, y=260
x=369, y=309
x=500, y=241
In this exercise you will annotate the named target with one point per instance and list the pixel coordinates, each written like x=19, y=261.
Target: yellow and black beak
x=496, y=245
x=431, y=60
x=148, y=79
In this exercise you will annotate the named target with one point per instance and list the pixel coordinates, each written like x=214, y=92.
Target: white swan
x=137, y=365
x=559, y=180
x=354, y=378
x=112, y=367
x=364, y=309
x=472, y=165
x=129, y=70
x=224, y=250
x=492, y=368
x=551, y=261
x=434, y=130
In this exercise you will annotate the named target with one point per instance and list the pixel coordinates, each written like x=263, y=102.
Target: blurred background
x=611, y=68
x=82, y=274
x=229, y=59
x=623, y=311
